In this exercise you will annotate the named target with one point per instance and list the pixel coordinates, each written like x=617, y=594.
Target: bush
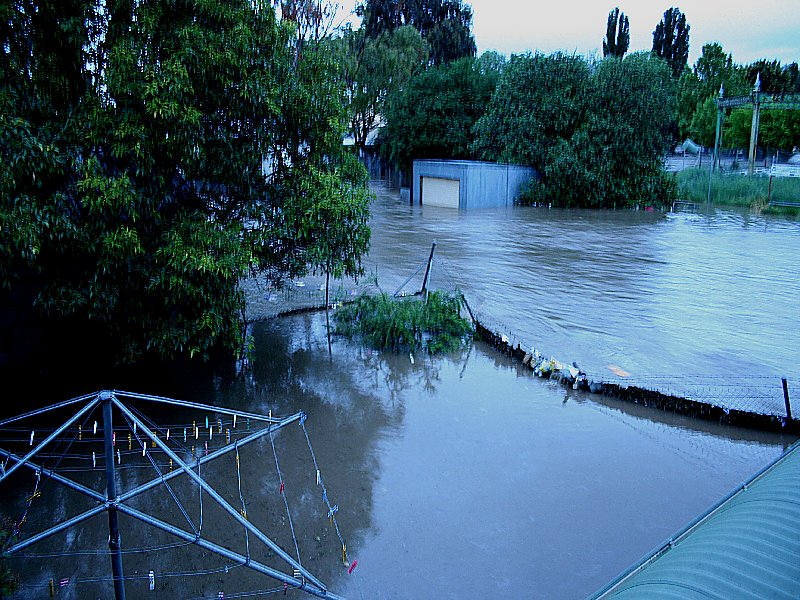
x=388, y=323
x=532, y=193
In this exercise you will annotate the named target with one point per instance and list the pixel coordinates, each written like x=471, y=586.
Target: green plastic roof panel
x=748, y=546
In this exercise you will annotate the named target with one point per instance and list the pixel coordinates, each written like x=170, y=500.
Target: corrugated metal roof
x=746, y=547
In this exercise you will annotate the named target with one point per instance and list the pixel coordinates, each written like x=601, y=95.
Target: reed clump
x=729, y=189
x=412, y=323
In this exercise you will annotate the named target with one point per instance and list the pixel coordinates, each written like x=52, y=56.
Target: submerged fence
x=758, y=401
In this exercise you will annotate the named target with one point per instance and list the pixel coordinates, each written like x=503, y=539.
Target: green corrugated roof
x=746, y=547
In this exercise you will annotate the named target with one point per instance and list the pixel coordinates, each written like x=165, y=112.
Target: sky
x=749, y=30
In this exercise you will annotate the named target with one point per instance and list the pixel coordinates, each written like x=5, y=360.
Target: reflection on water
x=654, y=294
x=456, y=476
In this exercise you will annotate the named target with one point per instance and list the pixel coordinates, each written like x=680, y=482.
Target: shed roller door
x=440, y=192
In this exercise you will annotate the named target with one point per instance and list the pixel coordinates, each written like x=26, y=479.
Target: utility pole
x=755, y=125
x=111, y=491
x=715, y=159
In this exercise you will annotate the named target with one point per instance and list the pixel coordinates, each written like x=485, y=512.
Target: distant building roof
x=746, y=547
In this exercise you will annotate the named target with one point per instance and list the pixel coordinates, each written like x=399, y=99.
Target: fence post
x=428, y=270
x=786, y=398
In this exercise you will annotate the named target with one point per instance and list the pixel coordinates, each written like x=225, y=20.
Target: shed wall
x=482, y=184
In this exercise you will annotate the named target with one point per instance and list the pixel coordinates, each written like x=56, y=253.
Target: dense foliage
x=444, y=24
x=698, y=90
x=618, y=34
x=671, y=40
x=373, y=69
x=390, y=323
x=433, y=115
x=152, y=153
x=595, y=135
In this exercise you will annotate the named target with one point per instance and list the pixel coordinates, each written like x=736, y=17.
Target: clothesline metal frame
x=110, y=399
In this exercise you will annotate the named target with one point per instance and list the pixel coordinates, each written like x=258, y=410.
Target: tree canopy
x=698, y=90
x=671, y=39
x=433, y=116
x=596, y=136
x=538, y=99
x=153, y=153
x=444, y=24
x=618, y=36
x=375, y=68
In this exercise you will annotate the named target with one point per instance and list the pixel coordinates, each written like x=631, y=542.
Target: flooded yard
x=463, y=475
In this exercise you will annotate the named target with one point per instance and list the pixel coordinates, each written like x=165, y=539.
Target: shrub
x=388, y=323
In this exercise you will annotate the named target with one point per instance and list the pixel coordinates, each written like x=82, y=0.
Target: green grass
x=737, y=190
x=388, y=323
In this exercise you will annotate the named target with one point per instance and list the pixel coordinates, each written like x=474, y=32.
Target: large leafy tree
x=596, y=137
x=698, y=90
x=775, y=78
x=444, y=24
x=152, y=153
x=618, y=35
x=433, y=116
x=538, y=100
x=671, y=39
x=375, y=68
x=622, y=141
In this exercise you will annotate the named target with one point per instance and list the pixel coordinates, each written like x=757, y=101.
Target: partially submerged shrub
x=389, y=323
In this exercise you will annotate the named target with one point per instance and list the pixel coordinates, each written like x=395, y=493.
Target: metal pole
x=715, y=162
x=786, y=399
x=716, y=143
x=197, y=405
x=111, y=488
x=769, y=192
x=754, y=125
x=219, y=499
x=60, y=478
x=50, y=438
x=428, y=269
x=217, y=453
x=54, y=530
x=229, y=554
x=40, y=411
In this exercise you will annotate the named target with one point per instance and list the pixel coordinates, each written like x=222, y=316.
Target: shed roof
x=746, y=547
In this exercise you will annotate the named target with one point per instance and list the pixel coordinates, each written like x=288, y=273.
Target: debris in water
x=618, y=371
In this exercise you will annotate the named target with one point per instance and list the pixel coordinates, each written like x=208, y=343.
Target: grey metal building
x=468, y=183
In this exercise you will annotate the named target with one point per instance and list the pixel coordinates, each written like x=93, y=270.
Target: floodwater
x=464, y=476
x=655, y=295
x=460, y=476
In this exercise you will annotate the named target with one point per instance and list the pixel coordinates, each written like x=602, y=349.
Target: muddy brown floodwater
x=715, y=293
x=458, y=476
x=464, y=476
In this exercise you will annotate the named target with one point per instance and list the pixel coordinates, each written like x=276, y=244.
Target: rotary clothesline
x=164, y=442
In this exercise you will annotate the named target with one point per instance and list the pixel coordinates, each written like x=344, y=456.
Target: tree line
x=153, y=153
x=595, y=129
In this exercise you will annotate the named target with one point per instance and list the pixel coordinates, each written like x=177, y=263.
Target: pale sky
x=745, y=28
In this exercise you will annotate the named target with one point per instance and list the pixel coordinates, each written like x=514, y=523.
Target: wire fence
x=756, y=394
